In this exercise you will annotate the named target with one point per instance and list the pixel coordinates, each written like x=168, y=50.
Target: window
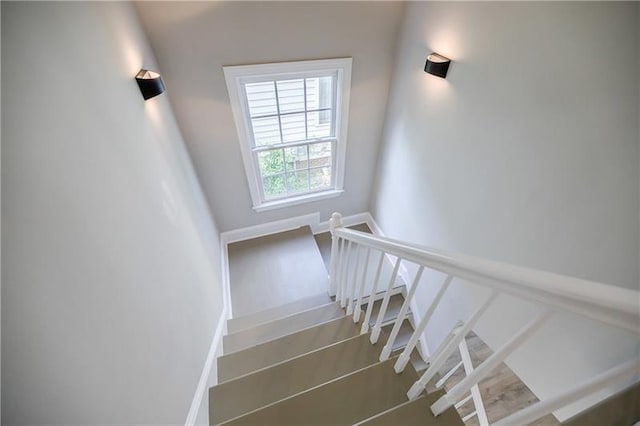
x=291, y=120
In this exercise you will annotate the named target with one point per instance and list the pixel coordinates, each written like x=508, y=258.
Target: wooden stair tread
x=416, y=412
x=247, y=321
x=247, y=393
x=287, y=347
x=343, y=401
x=281, y=327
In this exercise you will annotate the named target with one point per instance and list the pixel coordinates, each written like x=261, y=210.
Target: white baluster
x=345, y=275
x=334, y=222
x=352, y=295
x=375, y=333
x=490, y=363
x=463, y=401
x=403, y=359
x=341, y=263
x=446, y=377
x=469, y=416
x=475, y=390
x=444, y=353
x=386, y=351
x=374, y=290
x=540, y=409
x=357, y=311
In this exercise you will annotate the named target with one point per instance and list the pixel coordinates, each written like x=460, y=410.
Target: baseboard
x=201, y=389
x=256, y=231
x=226, y=283
x=311, y=220
x=355, y=219
x=404, y=274
x=242, y=234
x=373, y=225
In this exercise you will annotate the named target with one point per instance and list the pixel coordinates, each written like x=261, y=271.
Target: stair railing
x=474, y=394
x=556, y=293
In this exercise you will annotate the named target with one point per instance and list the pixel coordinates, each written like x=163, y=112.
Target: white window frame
x=236, y=76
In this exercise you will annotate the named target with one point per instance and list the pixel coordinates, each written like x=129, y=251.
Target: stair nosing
x=388, y=410
x=285, y=335
x=287, y=360
x=309, y=390
x=281, y=318
x=393, y=320
x=278, y=307
x=384, y=324
x=281, y=337
x=397, y=290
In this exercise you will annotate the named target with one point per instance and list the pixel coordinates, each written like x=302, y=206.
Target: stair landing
x=274, y=270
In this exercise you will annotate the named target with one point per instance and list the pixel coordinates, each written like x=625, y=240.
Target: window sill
x=306, y=198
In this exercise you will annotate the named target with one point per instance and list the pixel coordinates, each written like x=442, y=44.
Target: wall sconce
x=437, y=65
x=150, y=83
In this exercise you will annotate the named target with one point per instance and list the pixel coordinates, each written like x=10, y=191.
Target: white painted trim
x=236, y=76
x=226, y=282
x=201, y=389
x=373, y=225
x=293, y=201
x=355, y=219
x=423, y=348
x=605, y=303
x=250, y=232
x=269, y=228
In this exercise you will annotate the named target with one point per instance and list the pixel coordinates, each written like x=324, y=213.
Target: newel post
x=334, y=222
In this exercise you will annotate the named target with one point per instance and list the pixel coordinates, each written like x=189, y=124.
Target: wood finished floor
x=503, y=393
x=275, y=270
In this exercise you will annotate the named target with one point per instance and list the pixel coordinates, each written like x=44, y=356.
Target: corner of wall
x=404, y=274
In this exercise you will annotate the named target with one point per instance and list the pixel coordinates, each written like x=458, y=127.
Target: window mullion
x=284, y=164
x=275, y=86
x=306, y=130
x=261, y=148
x=308, y=169
x=334, y=157
x=334, y=103
x=290, y=113
x=267, y=83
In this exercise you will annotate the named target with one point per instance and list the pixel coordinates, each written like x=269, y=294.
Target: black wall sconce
x=150, y=83
x=437, y=65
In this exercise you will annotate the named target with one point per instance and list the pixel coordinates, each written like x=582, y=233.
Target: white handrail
x=609, y=304
x=474, y=391
x=605, y=303
x=542, y=408
x=488, y=365
x=437, y=362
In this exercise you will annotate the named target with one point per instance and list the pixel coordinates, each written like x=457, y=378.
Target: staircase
x=355, y=360
x=308, y=363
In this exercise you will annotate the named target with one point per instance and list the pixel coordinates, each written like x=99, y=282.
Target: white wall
x=0, y=211
x=111, y=278
x=527, y=153
x=194, y=40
